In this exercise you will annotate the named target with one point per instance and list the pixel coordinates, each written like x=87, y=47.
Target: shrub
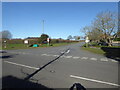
x=116, y=39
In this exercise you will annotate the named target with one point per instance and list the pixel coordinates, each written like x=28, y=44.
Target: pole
x=43, y=26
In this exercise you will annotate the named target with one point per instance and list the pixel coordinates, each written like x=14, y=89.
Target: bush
x=116, y=39
x=43, y=38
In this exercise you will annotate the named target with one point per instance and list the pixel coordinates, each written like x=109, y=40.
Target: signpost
x=87, y=41
x=26, y=42
x=48, y=40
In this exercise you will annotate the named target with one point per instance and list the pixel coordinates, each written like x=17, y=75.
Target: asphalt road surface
x=59, y=67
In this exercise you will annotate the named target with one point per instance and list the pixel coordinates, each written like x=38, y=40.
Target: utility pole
x=43, y=26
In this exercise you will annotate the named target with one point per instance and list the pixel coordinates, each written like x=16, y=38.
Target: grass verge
x=94, y=50
x=23, y=46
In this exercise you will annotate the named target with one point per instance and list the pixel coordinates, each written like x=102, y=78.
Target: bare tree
x=106, y=22
x=103, y=27
x=95, y=34
x=69, y=37
x=5, y=34
x=76, y=38
x=86, y=30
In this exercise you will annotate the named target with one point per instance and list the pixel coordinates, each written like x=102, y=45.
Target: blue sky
x=24, y=19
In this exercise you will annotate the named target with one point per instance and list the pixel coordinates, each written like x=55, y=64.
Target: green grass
x=56, y=44
x=23, y=46
x=61, y=44
x=94, y=50
x=15, y=46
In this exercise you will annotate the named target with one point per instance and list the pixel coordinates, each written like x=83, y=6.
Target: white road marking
x=76, y=57
x=62, y=52
x=22, y=65
x=68, y=56
x=63, y=56
x=114, y=60
x=56, y=55
x=104, y=59
x=94, y=59
x=68, y=51
x=48, y=55
x=84, y=58
x=43, y=54
x=93, y=80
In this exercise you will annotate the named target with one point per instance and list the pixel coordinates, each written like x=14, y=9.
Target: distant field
x=23, y=46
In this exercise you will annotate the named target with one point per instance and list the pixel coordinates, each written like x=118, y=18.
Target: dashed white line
x=61, y=52
x=93, y=80
x=94, y=59
x=84, y=58
x=48, y=55
x=22, y=65
x=43, y=54
x=68, y=56
x=76, y=57
x=55, y=55
x=63, y=56
x=114, y=61
x=104, y=59
x=68, y=51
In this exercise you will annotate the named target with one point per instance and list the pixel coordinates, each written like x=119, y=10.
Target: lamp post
x=43, y=26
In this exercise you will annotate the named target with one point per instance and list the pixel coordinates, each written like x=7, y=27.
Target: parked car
x=103, y=44
x=44, y=42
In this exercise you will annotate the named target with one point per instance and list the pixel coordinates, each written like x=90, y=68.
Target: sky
x=61, y=19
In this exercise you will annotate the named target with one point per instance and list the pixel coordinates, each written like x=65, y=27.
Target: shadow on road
x=31, y=75
x=78, y=86
x=5, y=57
x=111, y=52
x=11, y=82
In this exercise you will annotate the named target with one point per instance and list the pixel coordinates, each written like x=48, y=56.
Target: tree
x=103, y=27
x=69, y=37
x=43, y=38
x=5, y=34
x=76, y=37
x=86, y=30
x=95, y=34
x=106, y=22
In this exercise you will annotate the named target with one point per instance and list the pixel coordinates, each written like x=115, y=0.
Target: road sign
x=5, y=41
x=87, y=40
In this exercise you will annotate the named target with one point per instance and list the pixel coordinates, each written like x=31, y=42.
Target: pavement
x=59, y=67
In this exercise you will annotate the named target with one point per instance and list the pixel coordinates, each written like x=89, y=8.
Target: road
x=60, y=67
